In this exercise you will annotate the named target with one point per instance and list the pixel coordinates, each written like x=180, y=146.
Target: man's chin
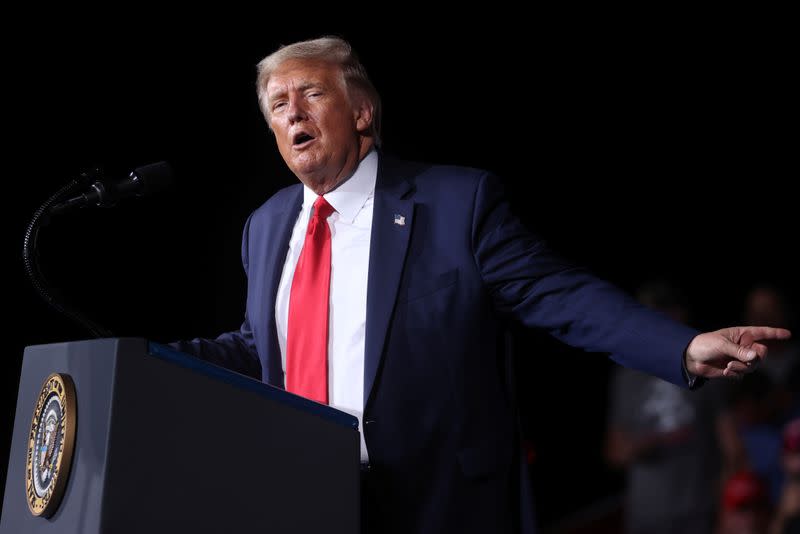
x=306, y=167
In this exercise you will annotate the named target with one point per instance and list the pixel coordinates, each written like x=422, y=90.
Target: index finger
x=765, y=332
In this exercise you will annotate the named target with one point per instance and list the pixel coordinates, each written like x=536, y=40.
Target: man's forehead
x=303, y=71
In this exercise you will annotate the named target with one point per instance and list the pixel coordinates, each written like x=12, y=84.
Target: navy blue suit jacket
x=437, y=420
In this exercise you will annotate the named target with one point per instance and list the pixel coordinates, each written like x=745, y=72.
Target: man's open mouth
x=301, y=139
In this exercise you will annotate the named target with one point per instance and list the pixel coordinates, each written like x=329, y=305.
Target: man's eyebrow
x=310, y=85
x=304, y=86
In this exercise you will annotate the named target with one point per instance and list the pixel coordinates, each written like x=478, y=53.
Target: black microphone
x=142, y=181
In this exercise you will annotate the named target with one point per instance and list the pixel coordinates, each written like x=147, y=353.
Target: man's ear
x=363, y=114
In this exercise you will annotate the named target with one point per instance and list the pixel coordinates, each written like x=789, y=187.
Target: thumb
x=739, y=352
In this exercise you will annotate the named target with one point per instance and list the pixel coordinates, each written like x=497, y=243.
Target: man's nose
x=297, y=111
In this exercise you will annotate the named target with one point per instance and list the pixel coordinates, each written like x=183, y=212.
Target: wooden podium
x=162, y=442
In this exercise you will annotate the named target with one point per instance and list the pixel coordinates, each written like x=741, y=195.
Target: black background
x=639, y=144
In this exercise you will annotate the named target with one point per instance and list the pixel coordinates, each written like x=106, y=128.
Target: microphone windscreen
x=154, y=177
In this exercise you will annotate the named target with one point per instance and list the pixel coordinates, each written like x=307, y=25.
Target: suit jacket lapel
x=392, y=222
x=275, y=258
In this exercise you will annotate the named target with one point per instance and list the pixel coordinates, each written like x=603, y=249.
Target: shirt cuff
x=692, y=381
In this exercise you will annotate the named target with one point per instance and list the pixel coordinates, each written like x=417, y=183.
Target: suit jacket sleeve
x=234, y=350
x=542, y=290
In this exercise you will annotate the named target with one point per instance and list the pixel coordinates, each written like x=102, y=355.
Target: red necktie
x=307, y=333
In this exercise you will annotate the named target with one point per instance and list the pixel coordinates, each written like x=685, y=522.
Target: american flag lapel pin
x=399, y=220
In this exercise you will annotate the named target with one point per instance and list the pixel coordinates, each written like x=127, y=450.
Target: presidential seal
x=50, y=445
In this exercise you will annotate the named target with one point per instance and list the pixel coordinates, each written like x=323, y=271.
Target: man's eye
x=278, y=105
x=314, y=94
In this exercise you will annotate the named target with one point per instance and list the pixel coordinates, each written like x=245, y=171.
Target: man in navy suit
x=421, y=265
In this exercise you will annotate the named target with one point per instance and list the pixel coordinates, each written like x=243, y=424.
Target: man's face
x=318, y=126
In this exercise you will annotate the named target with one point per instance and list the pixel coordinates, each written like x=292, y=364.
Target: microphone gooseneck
x=30, y=259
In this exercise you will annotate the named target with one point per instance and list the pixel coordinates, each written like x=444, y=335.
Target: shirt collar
x=350, y=196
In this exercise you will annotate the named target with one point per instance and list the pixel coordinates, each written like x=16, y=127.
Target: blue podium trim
x=244, y=382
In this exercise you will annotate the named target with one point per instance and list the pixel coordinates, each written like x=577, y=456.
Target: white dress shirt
x=351, y=228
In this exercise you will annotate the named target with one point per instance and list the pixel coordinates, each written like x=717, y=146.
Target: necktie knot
x=322, y=209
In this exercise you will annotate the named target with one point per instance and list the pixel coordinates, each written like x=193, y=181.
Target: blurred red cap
x=743, y=489
x=791, y=436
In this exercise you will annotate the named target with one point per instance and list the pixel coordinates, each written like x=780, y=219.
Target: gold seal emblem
x=50, y=445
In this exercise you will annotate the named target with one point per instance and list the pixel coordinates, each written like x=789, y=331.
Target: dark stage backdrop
x=636, y=151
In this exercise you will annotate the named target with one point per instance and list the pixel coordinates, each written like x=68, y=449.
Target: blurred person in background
x=665, y=439
x=787, y=515
x=763, y=402
x=745, y=507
